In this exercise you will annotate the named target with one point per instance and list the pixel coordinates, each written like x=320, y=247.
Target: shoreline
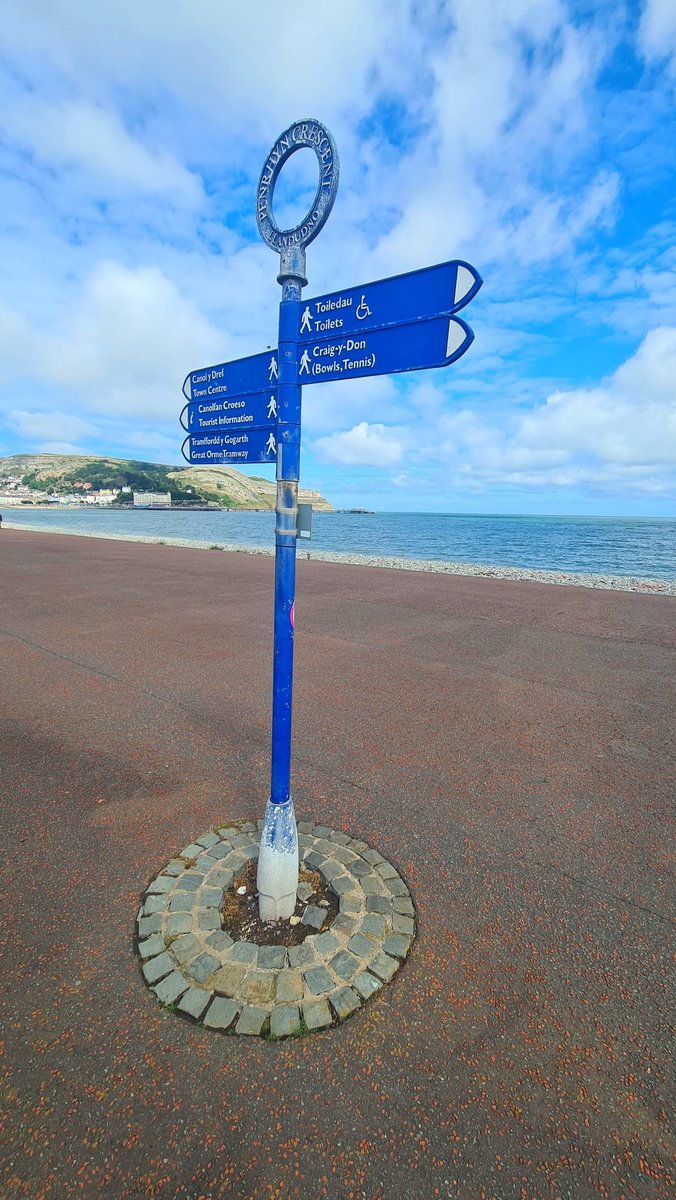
x=617, y=583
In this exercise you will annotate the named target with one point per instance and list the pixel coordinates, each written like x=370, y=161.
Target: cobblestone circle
x=195, y=968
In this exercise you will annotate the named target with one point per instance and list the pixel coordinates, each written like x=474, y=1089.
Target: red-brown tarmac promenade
x=508, y=746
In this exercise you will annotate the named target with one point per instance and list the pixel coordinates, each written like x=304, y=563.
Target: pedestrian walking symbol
x=271, y=445
x=273, y=372
x=306, y=323
x=304, y=363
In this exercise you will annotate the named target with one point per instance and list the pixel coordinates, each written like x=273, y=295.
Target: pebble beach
x=617, y=583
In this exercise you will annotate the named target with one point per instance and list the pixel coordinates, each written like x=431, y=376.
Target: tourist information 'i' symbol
x=249, y=411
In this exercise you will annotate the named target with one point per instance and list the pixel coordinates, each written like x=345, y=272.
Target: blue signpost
x=249, y=410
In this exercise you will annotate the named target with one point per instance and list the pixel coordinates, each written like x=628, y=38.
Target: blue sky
x=533, y=138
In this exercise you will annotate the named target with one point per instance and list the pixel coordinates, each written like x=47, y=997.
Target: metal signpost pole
x=278, y=857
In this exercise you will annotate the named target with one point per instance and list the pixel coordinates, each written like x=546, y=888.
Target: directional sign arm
x=402, y=299
x=417, y=346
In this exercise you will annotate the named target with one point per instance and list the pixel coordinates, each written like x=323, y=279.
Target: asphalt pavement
x=508, y=746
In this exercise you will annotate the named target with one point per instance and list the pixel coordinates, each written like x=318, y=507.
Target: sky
x=532, y=138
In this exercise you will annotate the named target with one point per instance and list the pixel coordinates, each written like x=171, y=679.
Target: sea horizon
x=641, y=547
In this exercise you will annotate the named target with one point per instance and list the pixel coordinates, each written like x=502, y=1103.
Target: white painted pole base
x=277, y=878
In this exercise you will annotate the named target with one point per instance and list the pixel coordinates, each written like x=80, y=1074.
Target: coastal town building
x=152, y=499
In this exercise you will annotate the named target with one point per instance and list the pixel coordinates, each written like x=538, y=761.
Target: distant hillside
x=57, y=474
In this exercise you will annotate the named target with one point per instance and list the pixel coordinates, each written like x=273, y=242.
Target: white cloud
x=129, y=342
x=366, y=445
x=657, y=32
x=50, y=426
x=77, y=133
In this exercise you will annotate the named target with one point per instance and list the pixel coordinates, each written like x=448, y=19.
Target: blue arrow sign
x=253, y=410
x=434, y=343
x=235, y=378
x=240, y=446
x=416, y=296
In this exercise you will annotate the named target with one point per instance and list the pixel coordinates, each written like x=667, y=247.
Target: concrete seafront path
x=506, y=746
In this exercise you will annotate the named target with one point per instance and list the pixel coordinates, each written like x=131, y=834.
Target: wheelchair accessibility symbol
x=362, y=310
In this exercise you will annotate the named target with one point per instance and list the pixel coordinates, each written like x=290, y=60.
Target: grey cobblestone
x=343, y=855
x=383, y=966
x=218, y=940
x=271, y=957
x=374, y=924
x=163, y=883
x=205, y=863
x=330, y=869
x=173, y=986
x=284, y=1021
x=243, y=952
x=151, y=946
x=366, y=984
x=318, y=980
x=396, y=886
x=251, y=986
x=186, y=947
x=258, y=987
x=289, y=987
x=363, y=946
x=208, y=839
x=402, y=924
x=194, y=1002
x=208, y=918
x=314, y=916
x=222, y=850
x=317, y=1015
x=396, y=945
x=189, y=882
x=228, y=980
x=251, y=1020
x=324, y=944
x=371, y=885
x=179, y=923
x=342, y=884
x=341, y=838
x=387, y=871
x=203, y=966
x=344, y=964
x=344, y=1002
x=221, y=878
x=191, y=851
x=373, y=857
x=301, y=956
x=344, y=924
x=156, y=968
x=221, y=1013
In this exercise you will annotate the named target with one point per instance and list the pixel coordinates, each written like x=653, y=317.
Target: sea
x=642, y=548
